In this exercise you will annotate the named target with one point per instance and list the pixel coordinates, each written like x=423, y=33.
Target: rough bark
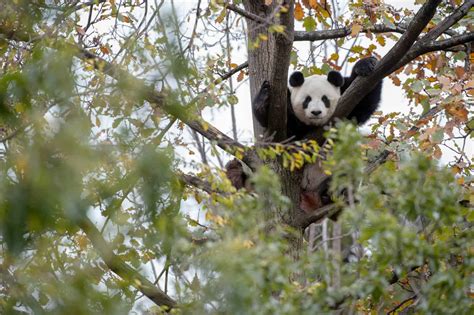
x=270, y=61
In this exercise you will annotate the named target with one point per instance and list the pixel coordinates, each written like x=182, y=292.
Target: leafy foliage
x=94, y=198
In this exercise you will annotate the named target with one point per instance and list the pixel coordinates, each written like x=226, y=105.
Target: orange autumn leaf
x=240, y=77
x=457, y=111
x=299, y=14
x=104, y=50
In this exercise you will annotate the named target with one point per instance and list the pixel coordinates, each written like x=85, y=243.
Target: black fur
x=298, y=130
x=367, y=106
x=335, y=78
x=296, y=79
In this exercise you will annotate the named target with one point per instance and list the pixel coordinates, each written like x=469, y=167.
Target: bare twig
x=343, y=32
x=246, y=14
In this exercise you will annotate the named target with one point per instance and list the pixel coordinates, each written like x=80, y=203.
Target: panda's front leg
x=260, y=104
x=367, y=106
x=364, y=67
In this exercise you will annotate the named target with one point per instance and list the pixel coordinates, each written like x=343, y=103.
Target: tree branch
x=444, y=25
x=446, y=43
x=199, y=125
x=343, y=32
x=246, y=14
x=326, y=211
x=363, y=85
x=204, y=128
x=123, y=270
x=194, y=181
x=231, y=72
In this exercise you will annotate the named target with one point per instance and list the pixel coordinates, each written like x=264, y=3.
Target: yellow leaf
x=249, y=243
x=334, y=57
x=82, y=242
x=381, y=40
x=233, y=65
x=356, y=28
x=221, y=16
x=326, y=14
x=278, y=28
x=88, y=67
x=299, y=14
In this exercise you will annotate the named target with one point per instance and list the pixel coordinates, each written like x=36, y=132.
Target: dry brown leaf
x=240, y=77
x=356, y=28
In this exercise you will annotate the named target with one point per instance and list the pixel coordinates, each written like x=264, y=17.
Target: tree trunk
x=270, y=62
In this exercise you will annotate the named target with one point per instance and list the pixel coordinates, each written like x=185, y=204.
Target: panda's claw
x=264, y=90
x=365, y=67
x=265, y=85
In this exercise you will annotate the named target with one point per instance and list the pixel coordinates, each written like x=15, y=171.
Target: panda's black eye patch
x=306, y=102
x=325, y=100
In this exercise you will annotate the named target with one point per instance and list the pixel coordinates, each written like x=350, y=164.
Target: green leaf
x=309, y=23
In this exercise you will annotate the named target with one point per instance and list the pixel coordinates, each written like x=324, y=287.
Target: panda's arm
x=367, y=106
x=260, y=104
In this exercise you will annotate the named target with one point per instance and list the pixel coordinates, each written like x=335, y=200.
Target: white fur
x=314, y=86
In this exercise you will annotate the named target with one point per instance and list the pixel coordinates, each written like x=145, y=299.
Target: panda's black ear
x=335, y=78
x=296, y=79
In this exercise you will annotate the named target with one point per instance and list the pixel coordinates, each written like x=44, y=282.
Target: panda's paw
x=265, y=86
x=365, y=67
x=264, y=92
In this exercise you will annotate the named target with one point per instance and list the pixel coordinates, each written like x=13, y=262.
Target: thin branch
x=231, y=72
x=246, y=14
x=86, y=4
x=194, y=181
x=124, y=271
x=403, y=303
x=204, y=128
x=343, y=32
x=446, y=43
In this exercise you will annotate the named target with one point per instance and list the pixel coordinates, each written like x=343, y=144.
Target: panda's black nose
x=316, y=112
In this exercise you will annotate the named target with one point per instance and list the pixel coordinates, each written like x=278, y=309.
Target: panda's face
x=314, y=98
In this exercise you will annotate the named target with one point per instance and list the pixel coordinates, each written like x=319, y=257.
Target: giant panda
x=312, y=101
